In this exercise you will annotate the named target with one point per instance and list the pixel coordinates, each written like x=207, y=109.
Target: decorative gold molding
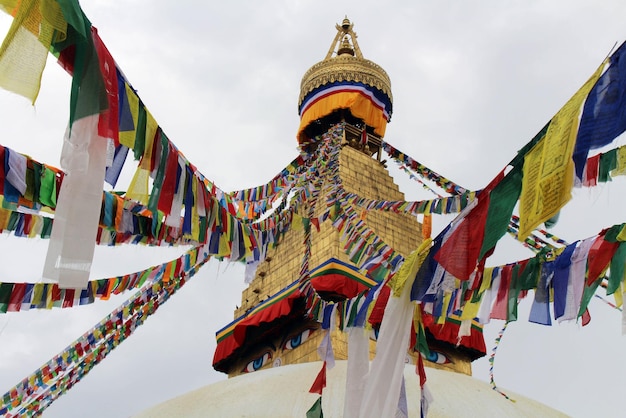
x=345, y=68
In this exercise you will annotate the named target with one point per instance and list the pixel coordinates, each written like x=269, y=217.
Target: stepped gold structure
x=342, y=88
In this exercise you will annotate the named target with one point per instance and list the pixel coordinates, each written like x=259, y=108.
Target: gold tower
x=342, y=88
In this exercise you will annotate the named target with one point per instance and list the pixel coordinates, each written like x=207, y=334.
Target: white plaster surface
x=284, y=392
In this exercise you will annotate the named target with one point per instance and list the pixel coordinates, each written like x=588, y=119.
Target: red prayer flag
x=68, y=299
x=500, y=307
x=316, y=223
x=586, y=317
x=108, y=122
x=168, y=188
x=420, y=370
x=459, y=253
x=320, y=381
x=17, y=295
x=599, y=257
x=590, y=176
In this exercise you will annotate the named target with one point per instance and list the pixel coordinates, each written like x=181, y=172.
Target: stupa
x=271, y=350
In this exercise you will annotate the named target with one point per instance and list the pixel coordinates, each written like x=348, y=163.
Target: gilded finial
x=346, y=47
x=345, y=25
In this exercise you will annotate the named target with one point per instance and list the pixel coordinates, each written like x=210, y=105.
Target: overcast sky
x=472, y=83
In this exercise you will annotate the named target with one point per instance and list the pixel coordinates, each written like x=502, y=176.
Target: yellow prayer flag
x=35, y=228
x=621, y=236
x=37, y=294
x=127, y=138
x=296, y=223
x=224, y=246
x=195, y=217
x=409, y=268
x=138, y=188
x=446, y=302
x=487, y=277
x=151, y=129
x=548, y=171
x=24, y=52
x=620, y=170
x=48, y=296
x=470, y=311
x=619, y=296
x=4, y=216
x=245, y=235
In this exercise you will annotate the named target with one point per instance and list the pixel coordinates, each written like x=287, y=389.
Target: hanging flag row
x=444, y=205
x=563, y=280
x=15, y=297
x=277, y=183
x=540, y=178
x=447, y=185
x=123, y=124
x=33, y=394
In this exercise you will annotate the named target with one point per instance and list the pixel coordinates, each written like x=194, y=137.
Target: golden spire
x=344, y=61
x=344, y=71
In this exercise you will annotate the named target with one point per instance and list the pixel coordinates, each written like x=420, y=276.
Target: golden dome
x=344, y=80
x=347, y=64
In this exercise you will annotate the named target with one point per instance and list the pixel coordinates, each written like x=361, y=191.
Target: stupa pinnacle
x=344, y=80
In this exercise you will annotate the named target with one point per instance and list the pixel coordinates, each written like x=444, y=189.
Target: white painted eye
x=257, y=363
x=437, y=357
x=297, y=340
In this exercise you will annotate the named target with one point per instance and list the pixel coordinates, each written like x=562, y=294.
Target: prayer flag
x=459, y=254
x=316, y=410
x=600, y=256
x=604, y=114
x=108, y=124
x=24, y=52
x=548, y=168
x=320, y=381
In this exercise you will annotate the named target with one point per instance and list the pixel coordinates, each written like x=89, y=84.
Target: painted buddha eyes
x=437, y=357
x=291, y=343
x=297, y=340
x=257, y=363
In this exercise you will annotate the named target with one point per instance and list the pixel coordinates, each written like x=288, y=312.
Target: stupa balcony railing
x=372, y=145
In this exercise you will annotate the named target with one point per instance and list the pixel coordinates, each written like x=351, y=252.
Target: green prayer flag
x=608, y=162
x=513, y=295
x=13, y=218
x=46, y=229
x=502, y=201
x=36, y=180
x=588, y=293
x=88, y=94
x=140, y=132
x=617, y=269
x=529, y=277
x=612, y=233
x=5, y=296
x=316, y=410
x=48, y=188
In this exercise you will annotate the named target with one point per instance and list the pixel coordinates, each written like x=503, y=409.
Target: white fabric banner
x=382, y=390
x=358, y=367
x=77, y=215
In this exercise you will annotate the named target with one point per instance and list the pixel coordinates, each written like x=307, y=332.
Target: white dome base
x=284, y=392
